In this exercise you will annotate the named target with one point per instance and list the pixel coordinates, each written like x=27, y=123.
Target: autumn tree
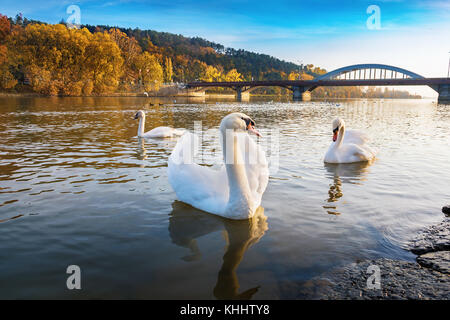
x=7, y=80
x=104, y=62
x=150, y=73
x=305, y=76
x=211, y=74
x=293, y=75
x=129, y=49
x=233, y=75
x=58, y=60
x=168, y=69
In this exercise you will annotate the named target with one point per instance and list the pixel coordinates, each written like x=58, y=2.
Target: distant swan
x=348, y=145
x=234, y=191
x=158, y=132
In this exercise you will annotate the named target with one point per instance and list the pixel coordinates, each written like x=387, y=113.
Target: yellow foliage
x=129, y=49
x=3, y=54
x=74, y=88
x=233, y=76
x=88, y=87
x=104, y=62
x=305, y=76
x=293, y=75
x=168, y=70
x=7, y=80
x=150, y=72
x=211, y=74
x=59, y=60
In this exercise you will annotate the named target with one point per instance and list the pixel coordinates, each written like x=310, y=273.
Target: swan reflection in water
x=353, y=173
x=186, y=224
x=141, y=150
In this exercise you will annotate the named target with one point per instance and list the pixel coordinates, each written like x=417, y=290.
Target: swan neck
x=141, y=126
x=340, y=136
x=239, y=190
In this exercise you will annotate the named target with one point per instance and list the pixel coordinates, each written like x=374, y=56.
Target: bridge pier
x=444, y=93
x=242, y=95
x=301, y=94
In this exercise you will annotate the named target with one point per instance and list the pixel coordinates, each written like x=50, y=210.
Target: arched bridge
x=354, y=75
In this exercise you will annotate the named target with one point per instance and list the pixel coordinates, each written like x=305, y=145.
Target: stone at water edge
x=446, y=210
x=433, y=238
x=439, y=261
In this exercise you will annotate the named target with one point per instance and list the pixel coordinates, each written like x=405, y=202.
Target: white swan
x=158, y=132
x=348, y=145
x=236, y=189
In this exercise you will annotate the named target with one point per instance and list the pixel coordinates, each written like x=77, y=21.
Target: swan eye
x=248, y=122
x=335, y=130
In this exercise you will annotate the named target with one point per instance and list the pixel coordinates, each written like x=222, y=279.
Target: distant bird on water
x=158, y=132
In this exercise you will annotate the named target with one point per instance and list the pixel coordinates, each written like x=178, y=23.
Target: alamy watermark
x=235, y=148
x=74, y=19
x=374, y=20
x=374, y=280
x=74, y=280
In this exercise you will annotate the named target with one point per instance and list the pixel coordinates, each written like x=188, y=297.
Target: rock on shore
x=439, y=261
x=434, y=238
x=399, y=280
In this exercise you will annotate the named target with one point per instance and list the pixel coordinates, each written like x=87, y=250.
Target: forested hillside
x=249, y=64
x=53, y=59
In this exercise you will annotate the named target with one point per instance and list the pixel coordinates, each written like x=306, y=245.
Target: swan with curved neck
x=348, y=146
x=236, y=190
x=158, y=132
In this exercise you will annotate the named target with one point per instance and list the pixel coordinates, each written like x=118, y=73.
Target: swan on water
x=348, y=145
x=158, y=132
x=235, y=190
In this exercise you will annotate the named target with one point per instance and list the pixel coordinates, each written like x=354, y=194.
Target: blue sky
x=414, y=34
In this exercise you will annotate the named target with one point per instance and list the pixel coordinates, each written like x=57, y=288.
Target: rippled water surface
x=77, y=187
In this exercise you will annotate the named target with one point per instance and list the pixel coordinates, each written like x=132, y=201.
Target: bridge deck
x=323, y=83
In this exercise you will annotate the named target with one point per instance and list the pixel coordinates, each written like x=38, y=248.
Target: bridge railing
x=369, y=72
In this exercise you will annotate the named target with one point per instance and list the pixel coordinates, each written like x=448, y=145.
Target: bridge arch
x=370, y=66
x=365, y=73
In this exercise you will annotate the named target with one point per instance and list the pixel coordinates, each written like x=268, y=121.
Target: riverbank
x=428, y=278
x=171, y=92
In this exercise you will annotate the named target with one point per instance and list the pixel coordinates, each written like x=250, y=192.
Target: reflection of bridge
x=355, y=75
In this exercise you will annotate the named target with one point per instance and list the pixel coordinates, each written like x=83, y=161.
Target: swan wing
x=349, y=153
x=355, y=137
x=163, y=132
x=357, y=153
x=360, y=139
x=200, y=186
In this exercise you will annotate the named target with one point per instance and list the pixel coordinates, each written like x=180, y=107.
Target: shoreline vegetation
x=59, y=60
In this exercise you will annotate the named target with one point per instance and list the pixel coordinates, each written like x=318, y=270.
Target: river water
x=77, y=187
